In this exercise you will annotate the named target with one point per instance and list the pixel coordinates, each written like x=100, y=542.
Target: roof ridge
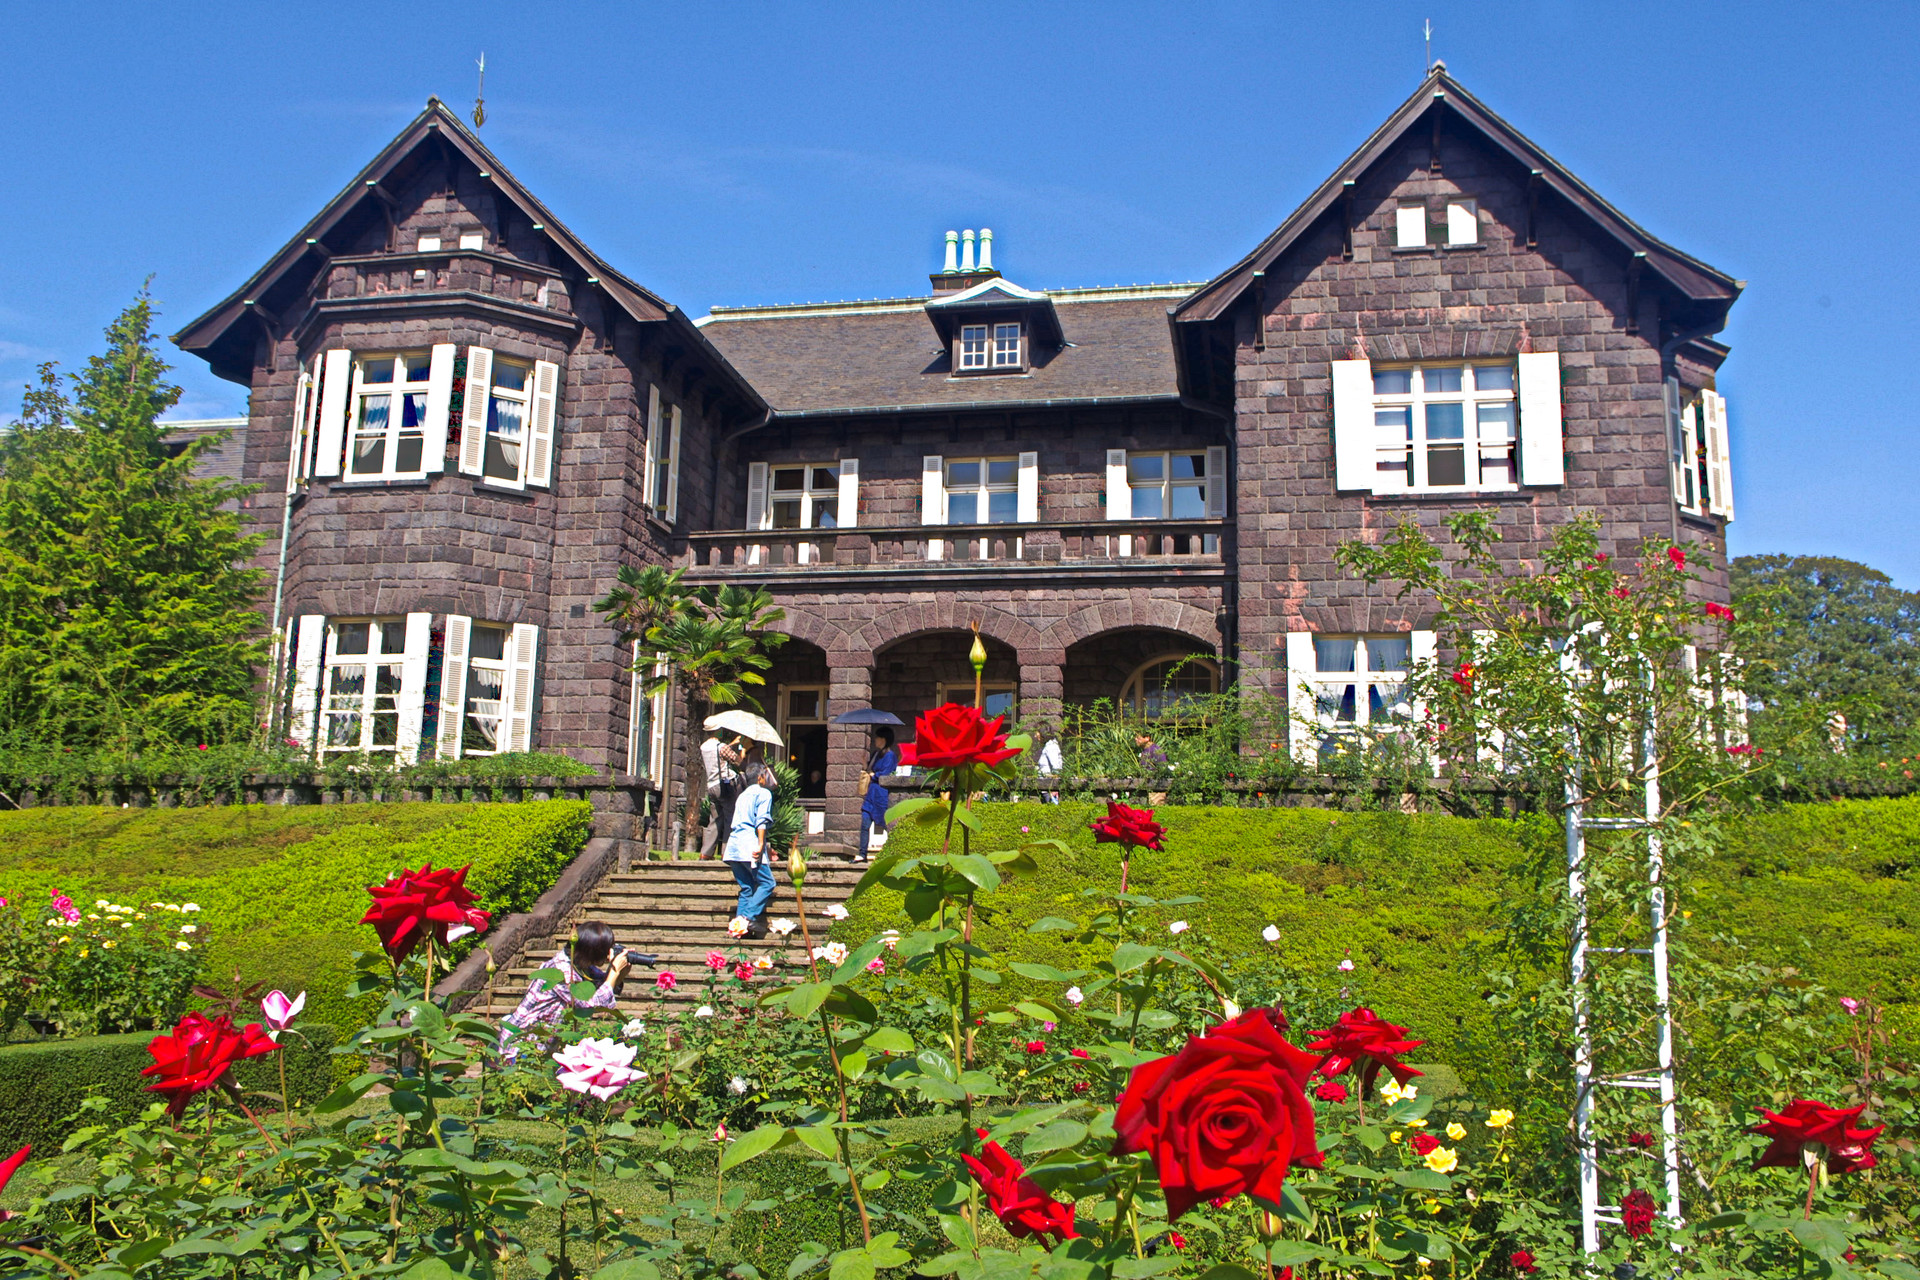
x=886, y=306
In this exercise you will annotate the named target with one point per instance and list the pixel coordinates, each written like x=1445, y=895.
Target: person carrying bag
x=747, y=855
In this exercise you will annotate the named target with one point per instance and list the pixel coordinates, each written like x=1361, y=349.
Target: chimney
x=986, y=248
x=966, y=250
x=953, y=251
x=962, y=270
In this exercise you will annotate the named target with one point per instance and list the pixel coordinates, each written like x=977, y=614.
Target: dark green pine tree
x=126, y=609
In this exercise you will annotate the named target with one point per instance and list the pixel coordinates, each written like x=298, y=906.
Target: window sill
x=506, y=490
x=1455, y=495
x=396, y=482
x=1439, y=248
x=971, y=374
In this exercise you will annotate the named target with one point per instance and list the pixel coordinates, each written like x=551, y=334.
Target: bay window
x=360, y=694
x=389, y=416
x=508, y=415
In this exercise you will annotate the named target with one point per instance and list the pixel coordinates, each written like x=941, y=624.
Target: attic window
x=1418, y=226
x=985, y=348
x=428, y=244
x=472, y=240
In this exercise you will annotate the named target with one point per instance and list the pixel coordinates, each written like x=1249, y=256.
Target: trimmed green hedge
x=41, y=1085
x=1833, y=889
x=282, y=889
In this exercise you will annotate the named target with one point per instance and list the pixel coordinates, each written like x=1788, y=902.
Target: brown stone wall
x=1568, y=294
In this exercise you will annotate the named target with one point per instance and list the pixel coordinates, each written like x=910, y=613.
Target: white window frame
x=1316, y=697
x=1134, y=692
x=992, y=346
x=469, y=742
x=982, y=490
x=1009, y=344
x=1396, y=444
x=398, y=365
x=819, y=502
x=1414, y=226
x=961, y=691
x=972, y=348
x=337, y=706
x=1203, y=483
x=521, y=397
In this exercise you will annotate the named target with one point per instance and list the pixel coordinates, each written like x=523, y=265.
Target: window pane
x=377, y=371
x=824, y=511
x=1394, y=653
x=1463, y=222
x=1446, y=422
x=1336, y=701
x=1003, y=471
x=419, y=368
x=790, y=479
x=1003, y=508
x=1389, y=701
x=1189, y=466
x=505, y=421
x=393, y=637
x=1493, y=377
x=963, y=508
x=1145, y=466
x=1392, y=382
x=350, y=637
x=1410, y=226
x=1189, y=502
x=973, y=333
x=1395, y=427
x=1006, y=331
x=963, y=475
x=482, y=728
x=803, y=704
x=1440, y=380
x=1333, y=655
x=1149, y=503
x=786, y=513
x=1447, y=466
x=997, y=702
x=826, y=477
x=509, y=377
x=489, y=644
x=1496, y=422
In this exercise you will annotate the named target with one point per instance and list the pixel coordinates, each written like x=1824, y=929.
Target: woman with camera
x=594, y=957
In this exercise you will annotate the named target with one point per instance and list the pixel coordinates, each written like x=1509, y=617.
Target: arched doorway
x=919, y=672
x=1141, y=671
x=797, y=703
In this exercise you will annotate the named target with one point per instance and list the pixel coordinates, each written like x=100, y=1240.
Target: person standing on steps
x=718, y=759
x=747, y=855
x=882, y=760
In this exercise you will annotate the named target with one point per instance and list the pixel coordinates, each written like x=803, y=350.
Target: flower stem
x=42, y=1253
x=1813, y=1180
x=846, y=1150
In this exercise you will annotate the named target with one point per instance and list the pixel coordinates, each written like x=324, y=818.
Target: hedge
x=41, y=1085
x=282, y=890
x=1832, y=889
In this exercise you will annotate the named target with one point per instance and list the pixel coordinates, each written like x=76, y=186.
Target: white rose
x=1271, y=933
x=1075, y=995
x=1178, y=926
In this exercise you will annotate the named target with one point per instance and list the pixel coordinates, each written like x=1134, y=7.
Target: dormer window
x=985, y=347
x=1418, y=225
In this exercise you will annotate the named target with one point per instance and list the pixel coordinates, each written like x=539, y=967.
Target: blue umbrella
x=869, y=715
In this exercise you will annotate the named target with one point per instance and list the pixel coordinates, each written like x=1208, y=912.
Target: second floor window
x=805, y=497
x=360, y=701
x=1444, y=427
x=389, y=416
x=1168, y=486
x=486, y=691
x=983, y=490
x=990, y=346
x=507, y=411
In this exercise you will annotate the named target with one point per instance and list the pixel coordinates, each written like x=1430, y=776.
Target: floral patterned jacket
x=545, y=1003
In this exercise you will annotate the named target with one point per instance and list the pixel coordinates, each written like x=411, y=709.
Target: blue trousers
x=756, y=887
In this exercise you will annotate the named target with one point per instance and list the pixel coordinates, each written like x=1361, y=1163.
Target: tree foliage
x=1831, y=636
x=126, y=609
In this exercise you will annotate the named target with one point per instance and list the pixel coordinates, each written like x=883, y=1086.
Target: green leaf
x=1051, y=924
x=900, y=810
x=1421, y=1179
x=890, y=1040
x=759, y=1142
x=854, y=1064
x=846, y=1003
x=189, y=1248
x=884, y=864
x=1294, y=1253
x=1129, y=956
x=430, y=1269
x=347, y=1094
x=1370, y=1138
x=1227, y=1271
x=628, y=1269
x=1141, y=1268
x=819, y=1138
x=1039, y=1012
x=805, y=999
x=429, y=1021
x=1896, y=1269
x=1046, y=972
x=137, y=1255
x=1057, y=1136
x=1822, y=1236
x=979, y=871
x=1719, y=1220
x=851, y=1264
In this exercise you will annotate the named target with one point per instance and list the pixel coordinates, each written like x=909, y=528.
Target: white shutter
x=1217, y=482
x=439, y=405
x=336, y=386
x=1686, y=478
x=1303, y=723
x=545, y=412
x=524, y=648
x=306, y=678
x=933, y=498
x=1353, y=430
x=1676, y=437
x=756, y=495
x=1719, y=456
x=473, y=413
x=673, y=469
x=1119, y=496
x=1410, y=226
x=636, y=700
x=847, y=514
x=662, y=729
x=1424, y=653
x=1027, y=500
x=1542, y=440
x=413, y=686
x=647, y=494
x=297, y=439
x=453, y=685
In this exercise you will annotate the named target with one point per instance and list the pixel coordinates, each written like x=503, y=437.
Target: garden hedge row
x=282, y=890
x=42, y=1084
x=1832, y=889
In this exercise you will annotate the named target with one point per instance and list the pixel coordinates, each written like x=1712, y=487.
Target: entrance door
x=803, y=723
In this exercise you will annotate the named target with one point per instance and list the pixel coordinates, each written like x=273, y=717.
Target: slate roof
x=885, y=356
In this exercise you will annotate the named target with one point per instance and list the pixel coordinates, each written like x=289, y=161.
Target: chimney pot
x=986, y=248
x=966, y=249
x=953, y=252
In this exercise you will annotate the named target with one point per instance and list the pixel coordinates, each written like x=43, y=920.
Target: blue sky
x=732, y=153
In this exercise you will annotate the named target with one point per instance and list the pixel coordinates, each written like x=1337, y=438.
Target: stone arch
x=920, y=617
x=1133, y=613
x=802, y=624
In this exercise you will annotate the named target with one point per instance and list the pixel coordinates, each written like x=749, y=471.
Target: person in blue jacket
x=882, y=760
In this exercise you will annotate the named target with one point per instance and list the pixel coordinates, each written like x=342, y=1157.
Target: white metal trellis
x=1585, y=1073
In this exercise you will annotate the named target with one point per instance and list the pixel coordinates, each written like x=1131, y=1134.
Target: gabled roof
x=1692, y=278
x=998, y=294
x=207, y=334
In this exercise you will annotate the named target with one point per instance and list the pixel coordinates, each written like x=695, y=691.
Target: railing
x=1093, y=542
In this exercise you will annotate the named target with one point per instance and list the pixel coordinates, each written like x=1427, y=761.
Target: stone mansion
x=461, y=421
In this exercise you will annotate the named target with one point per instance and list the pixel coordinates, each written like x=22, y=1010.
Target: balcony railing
x=1013, y=547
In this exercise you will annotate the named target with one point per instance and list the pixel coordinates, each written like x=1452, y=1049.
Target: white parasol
x=744, y=723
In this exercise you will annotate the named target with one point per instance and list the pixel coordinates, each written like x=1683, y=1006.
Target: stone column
x=1040, y=688
x=849, y=685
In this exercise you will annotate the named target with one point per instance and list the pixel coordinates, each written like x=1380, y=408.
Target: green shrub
x=283, y=889
x=41, y=1085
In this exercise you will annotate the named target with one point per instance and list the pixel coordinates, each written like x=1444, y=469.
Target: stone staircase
x=679, y=911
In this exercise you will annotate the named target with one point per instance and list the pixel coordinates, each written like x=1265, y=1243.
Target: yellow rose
x=1499, y=1118
x=1443, y=1160
x=1456, y=1131
x=1417, y=1123
x=1392, y=1137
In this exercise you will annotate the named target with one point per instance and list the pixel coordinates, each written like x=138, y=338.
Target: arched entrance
x=796, y=700
x=1142, y=671
x=919, y=672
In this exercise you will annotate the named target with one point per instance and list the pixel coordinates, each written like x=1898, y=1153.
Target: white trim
x=303, y=407
x=1302, y=739
x=1029, y=489
x=847, y=514
x=402, y=392
x=439, y=406
x=1216, y=482
x=896, y=306
x=1353, y=429
x=1542, y=433
x=413, y=686
x=336, y=386
x=1719, y=452
x=309, y=642
x=453, y=685
x=759, y=510
x=473, y=411
x=933, y=498
x=543, y=414
x=522, y=669
x=650, y=484
x=673, y=468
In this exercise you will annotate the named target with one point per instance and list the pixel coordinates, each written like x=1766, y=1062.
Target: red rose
x=950, y=736
x=1177, y=1240
x=1081, y=1086
x=1036, y=1046
x=1719, y=611
x=1331, y=1091
x=1079, y=1053
x=1463, y=676
x=1023, y=1208
x=743, y=971
x=197, y=1056
x=1637, y=1210
x=1225, y=1115
x=1640, y=1138
x=1123, y=825
x=416, y=903
x=8, y=1169
x=1522, y=1261
x=1621, y=593
x=1678, y=557
x=1806, y=1123
x=1362, y=1038
x=1422, y=1143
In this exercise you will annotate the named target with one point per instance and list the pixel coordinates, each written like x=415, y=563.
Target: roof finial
x=480, y=98
x=1429, y=29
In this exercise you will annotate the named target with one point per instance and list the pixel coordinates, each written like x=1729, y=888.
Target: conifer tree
x=126, y=607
